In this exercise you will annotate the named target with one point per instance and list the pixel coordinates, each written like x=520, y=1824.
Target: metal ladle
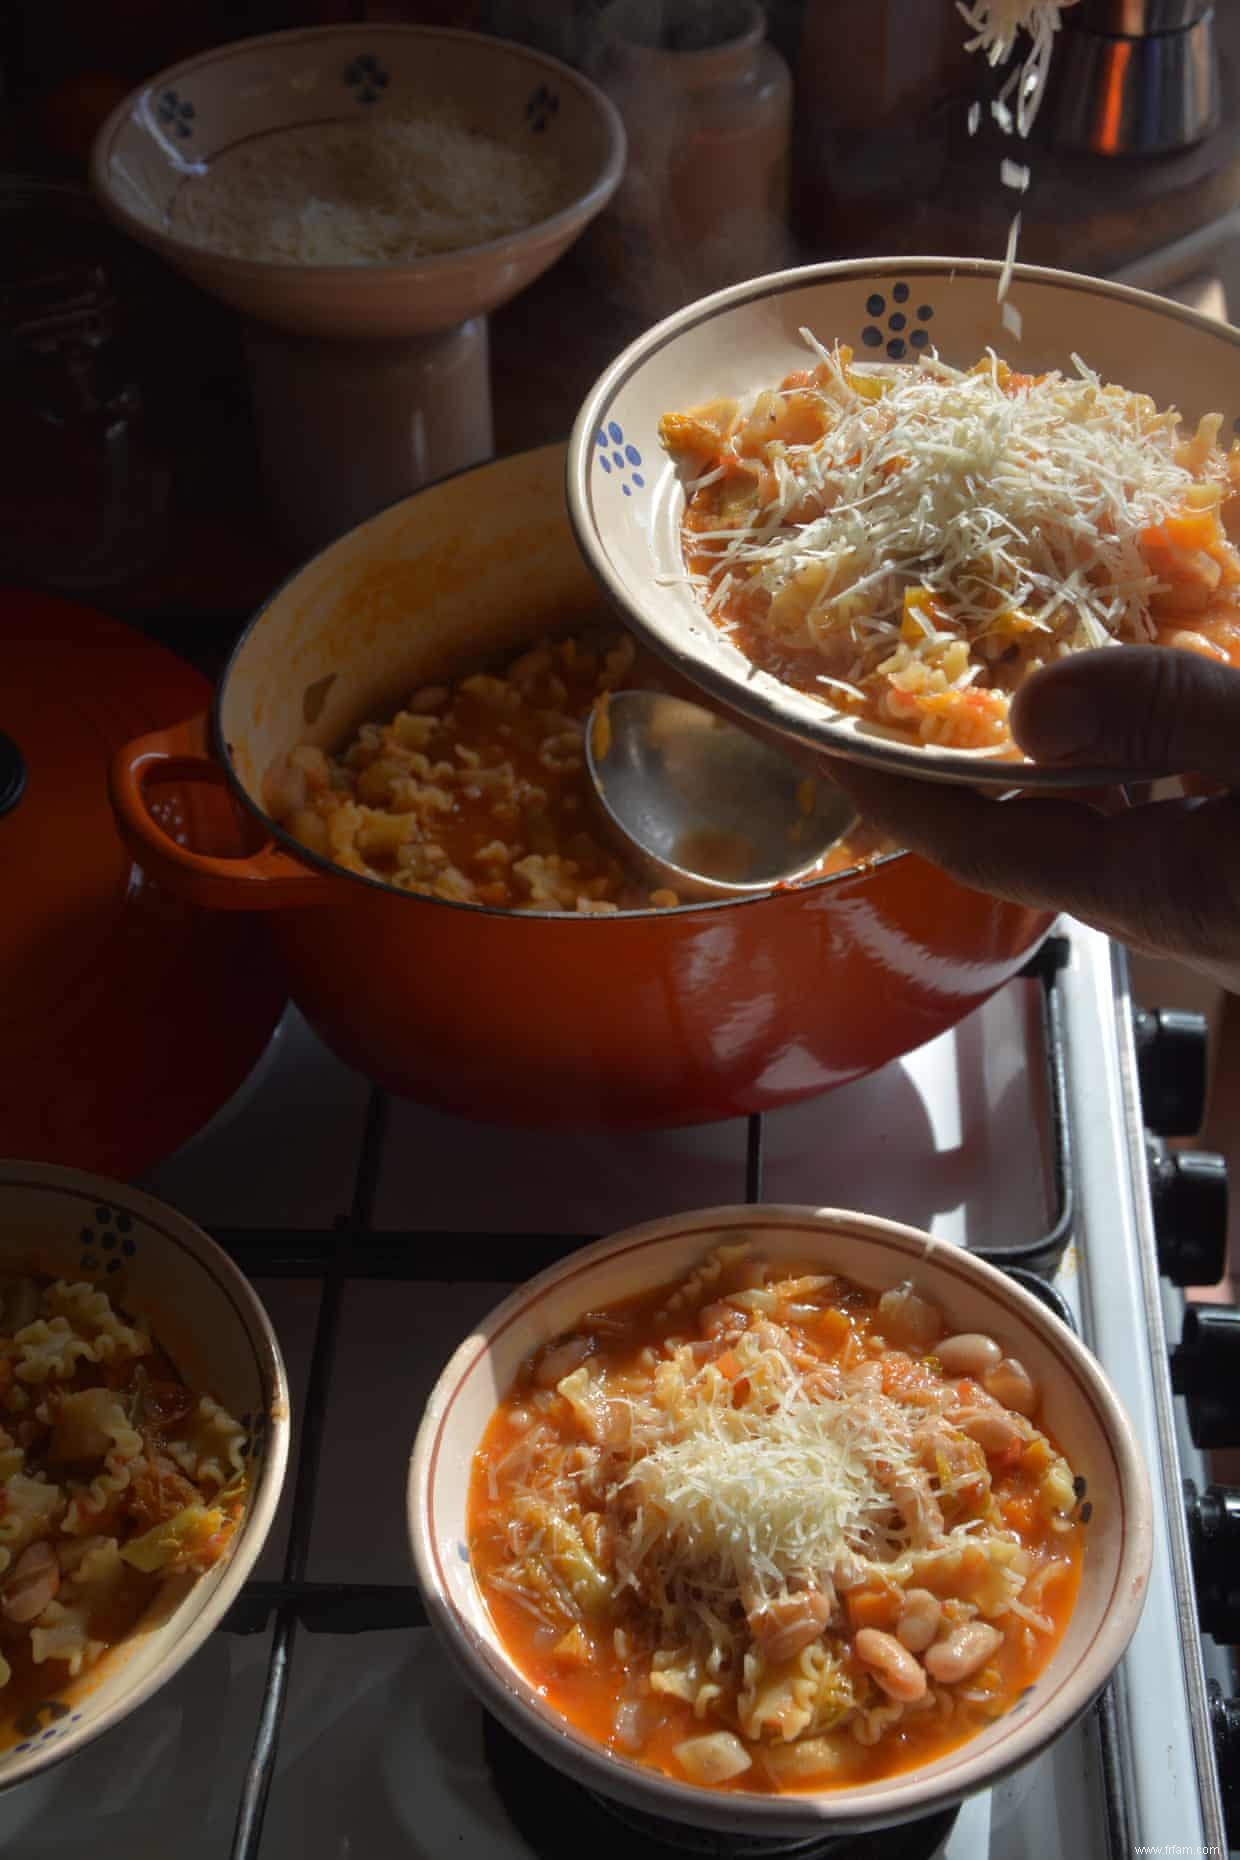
x=709, y=809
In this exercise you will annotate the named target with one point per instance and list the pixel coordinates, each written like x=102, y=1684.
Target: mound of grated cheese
x=996, y=500
x=738, y=1500
x=382, y=192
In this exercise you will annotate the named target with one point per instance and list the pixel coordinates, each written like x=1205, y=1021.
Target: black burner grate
x=353, y=1250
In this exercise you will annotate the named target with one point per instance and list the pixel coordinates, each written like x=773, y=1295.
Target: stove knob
x=1188, y=1190
x=1205, y=1370
x=1225, y=1724
x=1172, y=1048
x=1214, y=1541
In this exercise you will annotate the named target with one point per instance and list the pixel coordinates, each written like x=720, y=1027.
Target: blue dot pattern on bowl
x=107, y=1244
x=254, y=1446
x=49, y=1719
x=176, y=113
x=541, y=105
x=897, y=337
x=367, y=78
x=619, y=460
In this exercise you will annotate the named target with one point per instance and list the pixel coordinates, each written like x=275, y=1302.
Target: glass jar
x=707, y=106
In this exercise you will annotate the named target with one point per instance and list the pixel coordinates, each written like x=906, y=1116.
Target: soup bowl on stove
x=696, y=1435
x=144, y=1434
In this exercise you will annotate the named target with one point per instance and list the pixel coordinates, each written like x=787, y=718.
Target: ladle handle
x=264, y=879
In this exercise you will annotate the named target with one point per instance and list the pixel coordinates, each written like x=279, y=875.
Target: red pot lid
x=127, y=1017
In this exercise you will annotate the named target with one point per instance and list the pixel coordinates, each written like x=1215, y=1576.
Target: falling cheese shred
x=997, y=25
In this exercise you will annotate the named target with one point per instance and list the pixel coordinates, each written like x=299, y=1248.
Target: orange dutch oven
x=641, y=1018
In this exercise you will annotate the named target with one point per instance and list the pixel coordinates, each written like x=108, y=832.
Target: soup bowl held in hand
x=865, y=505
x=1041, y=1444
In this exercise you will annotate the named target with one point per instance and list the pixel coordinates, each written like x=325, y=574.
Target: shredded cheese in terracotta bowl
x=779, y=1521
x=144, y=1432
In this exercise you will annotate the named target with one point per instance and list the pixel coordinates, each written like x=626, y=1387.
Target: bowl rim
x=514, y=1701
x=434, y=265
x=831, y=737
x=178, y=1230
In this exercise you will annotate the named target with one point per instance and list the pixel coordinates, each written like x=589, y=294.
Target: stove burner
x=560, y=1820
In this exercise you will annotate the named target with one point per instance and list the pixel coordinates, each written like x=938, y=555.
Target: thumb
x=1150, y=710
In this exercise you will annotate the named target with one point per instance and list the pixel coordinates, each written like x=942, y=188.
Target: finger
x=1164, y=875
x=1142, y=708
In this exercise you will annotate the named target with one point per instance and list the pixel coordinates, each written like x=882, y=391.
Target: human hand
x=1164, y=877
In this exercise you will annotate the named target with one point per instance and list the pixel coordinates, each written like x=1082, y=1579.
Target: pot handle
x=262, y=880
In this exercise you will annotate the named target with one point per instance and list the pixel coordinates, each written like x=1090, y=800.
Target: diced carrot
x=1020, y=1514
x=728, y=1364
x=873, y=1608
x=1192, y=529
x=833, y=1327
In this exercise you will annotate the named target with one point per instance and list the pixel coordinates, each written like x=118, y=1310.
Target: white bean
x=784, y=1627
x=966, y=1648
x=994, y=1431
x=969, y=1353
x=892, y=1665
x=919, y=1620
x=1010, y=1383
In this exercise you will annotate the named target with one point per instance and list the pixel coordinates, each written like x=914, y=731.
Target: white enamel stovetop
x=380, y=1755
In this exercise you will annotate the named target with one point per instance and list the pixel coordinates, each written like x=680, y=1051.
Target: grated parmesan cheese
x=381, y=192
x=997, y=24
x=944, y=524
x=740, y=1499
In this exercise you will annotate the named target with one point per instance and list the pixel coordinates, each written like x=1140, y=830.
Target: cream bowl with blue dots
x=158, y=1267
x=626, y=495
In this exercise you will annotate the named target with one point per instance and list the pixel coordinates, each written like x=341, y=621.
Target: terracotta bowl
x=158, y=1266
x=1079, y=1411
x=367, y=380
x=626, y=498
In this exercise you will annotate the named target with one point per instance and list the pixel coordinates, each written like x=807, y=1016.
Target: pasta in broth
x=115, y=1478
x=769, y=1530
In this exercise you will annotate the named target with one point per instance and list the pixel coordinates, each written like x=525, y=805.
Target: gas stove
x=323, y=1723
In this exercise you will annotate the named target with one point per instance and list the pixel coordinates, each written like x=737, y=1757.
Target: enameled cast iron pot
x=641, y=1018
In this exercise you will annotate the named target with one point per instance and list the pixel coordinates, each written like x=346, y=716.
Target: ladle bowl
x=709, y=809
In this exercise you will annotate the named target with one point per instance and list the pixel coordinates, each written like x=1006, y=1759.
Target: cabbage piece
x=174, y=1543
